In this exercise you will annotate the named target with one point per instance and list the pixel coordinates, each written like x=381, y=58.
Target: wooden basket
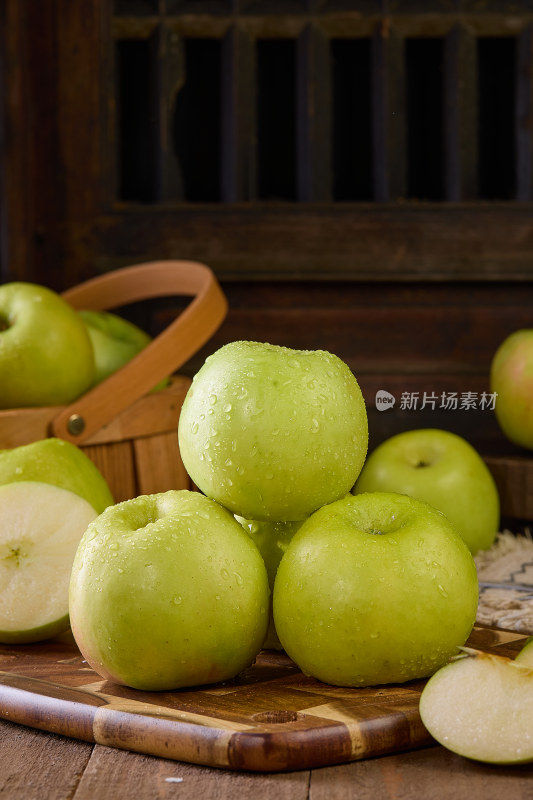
x=128, y=432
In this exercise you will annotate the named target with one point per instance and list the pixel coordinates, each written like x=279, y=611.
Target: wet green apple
x=49, y=492
x=444, y=470
x=115, y=341
x=374, y=588
x=46, y=356
x=480, y=706
x=167, y=590
x=272, y=539
x=511, y=378
x=273, y=433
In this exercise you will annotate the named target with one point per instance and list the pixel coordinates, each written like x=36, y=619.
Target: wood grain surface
x=270, y=718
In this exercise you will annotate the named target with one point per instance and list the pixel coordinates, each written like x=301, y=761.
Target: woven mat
x=509, y=560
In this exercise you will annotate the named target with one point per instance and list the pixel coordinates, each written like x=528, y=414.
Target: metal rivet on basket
x=75, y=424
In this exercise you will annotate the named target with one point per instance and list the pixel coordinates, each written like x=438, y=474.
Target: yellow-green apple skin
x=480, y=707
x=115, y=341
x=272, y=539
x=58, y=463
x=273, y=433
x=46, y=355
x=444, y=470
x=511, y=378
x=167, y=591
x=375, y=588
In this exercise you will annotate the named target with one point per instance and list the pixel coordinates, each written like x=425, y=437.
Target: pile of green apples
x=184, y=588
x=51, y=354
x=360, y=568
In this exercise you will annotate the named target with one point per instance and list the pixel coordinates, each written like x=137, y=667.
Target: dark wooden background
x=358, y=174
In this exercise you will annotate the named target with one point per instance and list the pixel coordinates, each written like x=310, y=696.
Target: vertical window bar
x=313, y=117
x=389, y=114
x=460, y=142
x=524, y=115
x=238, y=118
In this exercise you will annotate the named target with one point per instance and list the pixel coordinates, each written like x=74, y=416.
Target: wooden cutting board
x=270, y=718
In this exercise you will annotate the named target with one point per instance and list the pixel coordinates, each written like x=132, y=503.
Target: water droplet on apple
x=212, y=399
x=238, y=578
x=442, y=590
x=269, y=475
x=224, y=573
x=177, y=600
x=194, y=427
x=227, y=408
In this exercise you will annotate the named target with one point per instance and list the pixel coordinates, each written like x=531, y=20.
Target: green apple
x=272, y=539
x=167, y=591
x=273, y=433
x=525, y=656
x=46, y=356
x=444, y=470
x=375, y=588
x=40, y=528
x=115, y=341
x=480, y=706
x=511, y=378
x=58, y=463
x=49, y=492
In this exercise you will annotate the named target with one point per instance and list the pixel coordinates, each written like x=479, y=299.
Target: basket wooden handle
x=164, y=355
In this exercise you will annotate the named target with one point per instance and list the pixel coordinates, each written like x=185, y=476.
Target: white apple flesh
x=40, y=528
x=481, y=706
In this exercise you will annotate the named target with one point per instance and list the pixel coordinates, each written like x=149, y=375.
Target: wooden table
x=34, y=764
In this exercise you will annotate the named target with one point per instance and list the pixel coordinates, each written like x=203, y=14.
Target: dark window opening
x=424, y=89
x=136, y=121
x=276, y=123
x=352, y=146
x=197, y=121
x=496, y=118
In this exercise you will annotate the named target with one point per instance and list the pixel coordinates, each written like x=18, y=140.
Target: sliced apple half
x=481, y=706
x=40, y=528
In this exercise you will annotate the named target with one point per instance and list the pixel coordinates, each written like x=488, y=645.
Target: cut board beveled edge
x=270, y=718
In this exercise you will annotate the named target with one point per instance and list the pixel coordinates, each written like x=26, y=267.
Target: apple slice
x=481, y=706
x=525, y=656
x=40, y=528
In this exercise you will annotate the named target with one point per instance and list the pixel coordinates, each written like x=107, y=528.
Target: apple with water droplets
x=480, y=706
x=374, y=588
x=167, y=590
x=273, y=433
x=444, y=470
x=272, y=540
